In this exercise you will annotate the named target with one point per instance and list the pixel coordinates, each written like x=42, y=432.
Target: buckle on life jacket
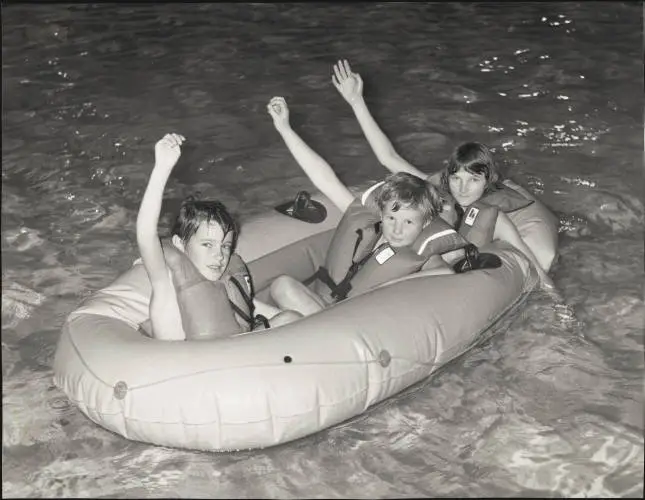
x=260, y=321
x=338, y=291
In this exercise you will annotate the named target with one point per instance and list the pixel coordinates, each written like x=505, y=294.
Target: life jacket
x=128, y=297
x=353, y=265
x=506, y=199
x=478, y=223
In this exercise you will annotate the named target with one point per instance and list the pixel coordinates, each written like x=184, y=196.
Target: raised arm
x=164, y=313
x=350, y=86
x=316, y=168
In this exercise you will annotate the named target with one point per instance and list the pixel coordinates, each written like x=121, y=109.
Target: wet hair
x=407, y=190
x=477, y=159
x=193, y=212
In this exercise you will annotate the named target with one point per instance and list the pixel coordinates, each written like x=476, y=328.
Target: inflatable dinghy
x=264, y=388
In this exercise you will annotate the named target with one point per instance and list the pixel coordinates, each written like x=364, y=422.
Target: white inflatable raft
x=261, y=389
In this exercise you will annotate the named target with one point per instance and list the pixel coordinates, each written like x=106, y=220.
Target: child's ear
x=177, y=241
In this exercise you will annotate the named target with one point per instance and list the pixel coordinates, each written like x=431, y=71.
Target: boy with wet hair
x=200, y=288
x=192, y=287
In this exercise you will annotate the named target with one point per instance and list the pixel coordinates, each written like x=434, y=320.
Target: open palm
x=349, y=84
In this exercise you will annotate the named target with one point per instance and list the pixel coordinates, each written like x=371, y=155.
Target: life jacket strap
x=323, y=275
x=460, y=215
x=247, y=300
x=340, y=290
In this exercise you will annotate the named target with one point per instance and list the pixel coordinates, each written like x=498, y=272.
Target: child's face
x=209, y=250
x=402, y=227
x=465, y=187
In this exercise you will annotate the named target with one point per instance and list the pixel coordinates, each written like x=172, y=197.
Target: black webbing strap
x=340, y=290
x=254, y=321
x=322, y=273
x=344, y=287
x=248, y=300
x=460, y=215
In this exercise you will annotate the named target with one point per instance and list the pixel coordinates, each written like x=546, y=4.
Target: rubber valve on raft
x=120, y=389
x=384, y=358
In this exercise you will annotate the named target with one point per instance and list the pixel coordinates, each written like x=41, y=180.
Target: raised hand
x=350, y=85
x=279, y=111
x=168, y=150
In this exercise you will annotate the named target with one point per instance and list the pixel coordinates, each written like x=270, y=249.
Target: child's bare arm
x=316, y=168
x=164, y=311
x=350, y=86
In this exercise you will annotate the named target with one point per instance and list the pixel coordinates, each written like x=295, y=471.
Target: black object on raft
x=304, y=208
x=475, y=260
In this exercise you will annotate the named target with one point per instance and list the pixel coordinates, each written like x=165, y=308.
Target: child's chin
x=397, y=244
x=212, y=275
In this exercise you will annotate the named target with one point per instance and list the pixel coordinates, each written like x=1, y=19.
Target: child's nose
x=217, y=253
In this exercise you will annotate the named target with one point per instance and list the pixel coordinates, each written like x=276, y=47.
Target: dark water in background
x=556, y=88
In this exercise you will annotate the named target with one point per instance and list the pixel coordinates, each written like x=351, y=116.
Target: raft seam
x=211, y=370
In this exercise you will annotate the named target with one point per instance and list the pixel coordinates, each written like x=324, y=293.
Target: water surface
x=555, y=88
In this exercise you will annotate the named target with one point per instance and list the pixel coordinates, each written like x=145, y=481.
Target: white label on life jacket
x=384, y=255
x=247, y=278
x=471, y=216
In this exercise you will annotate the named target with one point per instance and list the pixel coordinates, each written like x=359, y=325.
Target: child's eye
x=207, y=245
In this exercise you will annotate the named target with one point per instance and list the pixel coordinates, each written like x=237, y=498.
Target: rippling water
x=556, y=88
